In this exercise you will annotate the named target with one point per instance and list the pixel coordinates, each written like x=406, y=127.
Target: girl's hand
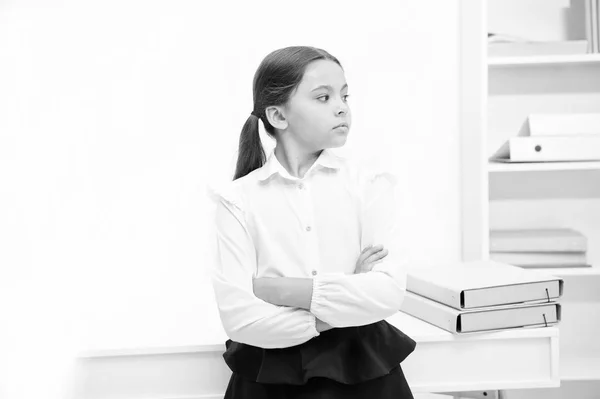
x=263, y=288
x=322, y=326
x=369, y=257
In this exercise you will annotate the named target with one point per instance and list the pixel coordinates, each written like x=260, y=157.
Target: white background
x=113, y=117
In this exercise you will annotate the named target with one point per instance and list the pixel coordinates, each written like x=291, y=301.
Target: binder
x=549, y=149
x=484, y=319
x=594, y=12
x=561, y=124
x=554, y=266
x=525, y=49
x=476, y=284
x=596, y=23
x=539, y=259
x=537, y=240
x=589, y=35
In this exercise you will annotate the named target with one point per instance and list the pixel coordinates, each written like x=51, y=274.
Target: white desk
x=512, y=359
x=442, y=362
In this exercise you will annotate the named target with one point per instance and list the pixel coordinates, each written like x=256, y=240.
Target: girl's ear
x=276, y=117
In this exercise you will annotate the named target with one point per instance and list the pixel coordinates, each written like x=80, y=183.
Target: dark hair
x=277, y=76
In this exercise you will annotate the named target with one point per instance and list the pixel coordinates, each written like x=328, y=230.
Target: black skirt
x=352, y=362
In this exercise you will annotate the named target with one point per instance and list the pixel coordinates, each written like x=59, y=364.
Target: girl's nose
x=342, y=109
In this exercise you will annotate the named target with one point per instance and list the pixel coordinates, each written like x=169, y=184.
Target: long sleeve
x=246, y=318
x=343, y=300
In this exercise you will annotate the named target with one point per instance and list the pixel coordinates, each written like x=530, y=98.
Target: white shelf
x=542, y=166
x=544, y=60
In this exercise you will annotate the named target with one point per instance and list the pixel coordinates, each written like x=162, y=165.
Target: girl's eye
x=326, y=97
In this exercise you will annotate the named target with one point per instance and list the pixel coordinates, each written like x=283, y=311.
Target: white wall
x=114, y=115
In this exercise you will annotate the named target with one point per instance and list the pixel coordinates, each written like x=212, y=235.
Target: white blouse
x=272, y=224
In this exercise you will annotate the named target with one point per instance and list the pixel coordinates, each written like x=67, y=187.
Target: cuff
x=312, y=324
x=313, y=298
x=321, y=300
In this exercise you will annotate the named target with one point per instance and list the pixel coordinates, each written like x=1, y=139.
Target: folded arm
x=342, y=300
x=287, y=291
x=245, y=317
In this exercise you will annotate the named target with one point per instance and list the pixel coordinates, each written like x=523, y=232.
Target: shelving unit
x=501, y=92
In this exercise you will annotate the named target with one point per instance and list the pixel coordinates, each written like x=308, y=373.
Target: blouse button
x=308, y=228
x=314, y=272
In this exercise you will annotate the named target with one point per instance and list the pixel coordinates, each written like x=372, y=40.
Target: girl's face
x=318, y=106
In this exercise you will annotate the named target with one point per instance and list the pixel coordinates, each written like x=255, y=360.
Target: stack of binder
x=539, y=248
x=554, y=138
x=482, y=296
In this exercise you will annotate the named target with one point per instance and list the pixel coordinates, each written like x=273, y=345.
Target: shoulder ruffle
x=377, y=174
x=374, y=182
x=373, y=175
x=227, y=192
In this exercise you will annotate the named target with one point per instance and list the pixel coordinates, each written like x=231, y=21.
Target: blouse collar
x=326, y=159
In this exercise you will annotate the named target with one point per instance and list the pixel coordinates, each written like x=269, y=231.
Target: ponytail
x=251, y=154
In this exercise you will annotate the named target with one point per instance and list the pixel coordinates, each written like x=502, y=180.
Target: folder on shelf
x=557, y=266
x=589, y=30
x=483, y=319
x=476, y=284
x=541, y=259
x=561, y=124
x=524, y=49
x=594, y=20
x=549, y=149
x=537, y=240
x=495, y=37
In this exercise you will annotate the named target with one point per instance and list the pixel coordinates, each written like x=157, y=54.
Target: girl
x=302, y=280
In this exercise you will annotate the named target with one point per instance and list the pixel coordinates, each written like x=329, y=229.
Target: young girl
x=302, y=280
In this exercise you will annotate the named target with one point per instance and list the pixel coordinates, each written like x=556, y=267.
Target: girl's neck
x=294, y=160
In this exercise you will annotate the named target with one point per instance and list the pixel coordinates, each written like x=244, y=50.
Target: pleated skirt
x=351, y=363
